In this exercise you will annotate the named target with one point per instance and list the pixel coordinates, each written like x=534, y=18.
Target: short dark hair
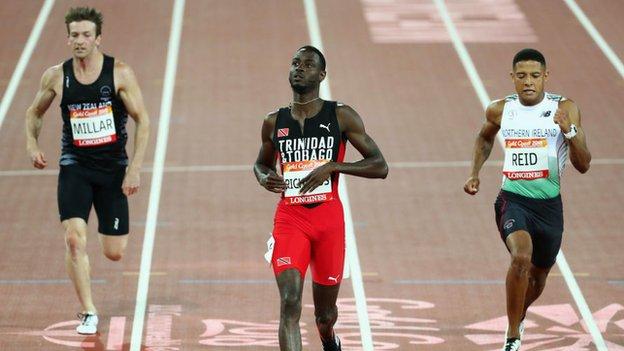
x=77, y=14
x=529, y=54
x=317, y=52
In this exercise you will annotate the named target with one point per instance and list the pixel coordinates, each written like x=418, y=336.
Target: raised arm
x=34, y=114
x=483, y=144
x=130, y=93
x=264, y=168
x=373, y=164
x=568, y=114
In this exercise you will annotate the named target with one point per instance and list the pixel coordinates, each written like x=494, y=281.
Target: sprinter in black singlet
x=98, y=93
x=307, y=139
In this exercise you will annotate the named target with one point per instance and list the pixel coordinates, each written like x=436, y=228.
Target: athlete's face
x=82, y=38
x=305, y=71
x=529, y=78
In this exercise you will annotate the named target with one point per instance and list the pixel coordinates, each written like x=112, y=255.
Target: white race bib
x=93, y=127
x=526, y=158
x=293, y=172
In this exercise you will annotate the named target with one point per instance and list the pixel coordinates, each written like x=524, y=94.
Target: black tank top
x=321, y=138
x=94, y=121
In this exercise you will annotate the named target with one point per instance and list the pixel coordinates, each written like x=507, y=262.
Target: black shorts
x=79, y=188
x=542, y=218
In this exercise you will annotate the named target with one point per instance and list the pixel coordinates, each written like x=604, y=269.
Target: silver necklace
x=304, y=103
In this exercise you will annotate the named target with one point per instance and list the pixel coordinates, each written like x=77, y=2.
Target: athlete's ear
x=546, y=73
x=322, y=75
x=511, y=75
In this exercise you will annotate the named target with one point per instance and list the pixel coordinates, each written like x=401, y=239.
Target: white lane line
x=595, y=34
x=159, y=162
x=9, y=94
x=245, y=168
x=561, y=261
x=352, y=253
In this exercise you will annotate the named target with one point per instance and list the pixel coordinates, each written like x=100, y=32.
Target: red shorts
x=310, y=236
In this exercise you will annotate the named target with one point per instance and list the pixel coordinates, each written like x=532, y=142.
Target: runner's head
x=529, y=75
x=84, y=30
x=307, y=69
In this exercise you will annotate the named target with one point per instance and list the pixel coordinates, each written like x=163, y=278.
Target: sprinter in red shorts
x=308, y=140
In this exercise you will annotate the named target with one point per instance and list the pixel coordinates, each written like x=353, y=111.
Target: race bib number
x=293, y=172
x=526, y=158
x=93, y=127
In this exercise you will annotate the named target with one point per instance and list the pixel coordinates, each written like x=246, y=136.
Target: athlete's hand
x=131, y=182
x=38, y=159
x=472, y=185
x=317, y=177
x=273, y=182
x=562, y=119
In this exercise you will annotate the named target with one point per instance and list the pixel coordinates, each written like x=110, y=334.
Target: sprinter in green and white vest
x=540, y=131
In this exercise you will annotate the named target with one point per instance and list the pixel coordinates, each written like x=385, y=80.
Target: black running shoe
x=332, y=345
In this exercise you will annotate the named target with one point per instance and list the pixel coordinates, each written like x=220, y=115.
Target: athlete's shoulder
x=510, y=98
x=52, y=75
x=123, y=70
x=568, y=105
x=496, y=107
x=271, y=116
x=344, y=110
x=348, y=119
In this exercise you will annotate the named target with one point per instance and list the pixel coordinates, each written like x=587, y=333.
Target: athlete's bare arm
x=264, y=168
x=483, y=144
x=373, y=165
x=130, y=93
x=567, y=114
x=48, y=89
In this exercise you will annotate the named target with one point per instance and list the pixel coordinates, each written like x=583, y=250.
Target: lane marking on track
x=130, y=274
x=245, y=168
x=9, y=94
x=156, y=184
x=562, y=263
x=352, y=252
x=596, y=36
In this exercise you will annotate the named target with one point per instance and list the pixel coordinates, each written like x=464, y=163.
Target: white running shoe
x=512, y=344
x=88, y=323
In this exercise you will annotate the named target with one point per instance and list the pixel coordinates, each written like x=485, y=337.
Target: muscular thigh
x=292, y=243
x=111, y=204
x=74, y=193
x=328, y=245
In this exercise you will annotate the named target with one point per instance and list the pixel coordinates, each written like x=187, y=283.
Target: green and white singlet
x=535, y=148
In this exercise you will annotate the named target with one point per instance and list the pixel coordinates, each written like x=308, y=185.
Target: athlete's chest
x=536, y=122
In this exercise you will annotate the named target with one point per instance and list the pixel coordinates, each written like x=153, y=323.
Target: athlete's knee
x=114, y=254
x=521, y=263
x=326, y=316
x=75, y=242
x=291, y=304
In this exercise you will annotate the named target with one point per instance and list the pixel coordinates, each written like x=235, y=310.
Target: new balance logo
x=335, y=279
x=283, y=261
x=116, y=225
x=545, y=114
x=321, y=125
